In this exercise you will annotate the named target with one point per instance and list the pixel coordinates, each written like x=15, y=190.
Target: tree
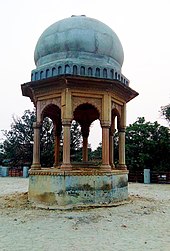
x=17, y=148
x=165, y=110
x=76, y=141
x=96, y=155
x=47, y=143
x=147, y=146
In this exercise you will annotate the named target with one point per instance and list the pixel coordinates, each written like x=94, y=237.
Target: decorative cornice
x=67, y=68
x=57, y=172
x=58, y=83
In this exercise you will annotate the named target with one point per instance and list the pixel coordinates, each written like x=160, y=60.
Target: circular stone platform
x=69, y=189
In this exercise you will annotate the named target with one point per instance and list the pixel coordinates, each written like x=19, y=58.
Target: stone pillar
x=111, y=150
x=66, y=145
x=105, y=124
x=85, y=134
x=56, y=150
x=57, y=134
x=111, y=144
x=105, y=148
x=122, y=164
x=85, y=149
x=36, y=147
x=66, y=116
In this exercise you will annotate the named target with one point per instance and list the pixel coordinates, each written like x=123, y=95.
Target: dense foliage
x=17, y=148
x=47, y=143
x=96, y=155
x=147, y=146
x=76, y=142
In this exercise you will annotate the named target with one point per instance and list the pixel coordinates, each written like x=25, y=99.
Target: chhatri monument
x=78, y=77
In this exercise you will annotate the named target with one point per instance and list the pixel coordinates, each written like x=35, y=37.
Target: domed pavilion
x=78, y=77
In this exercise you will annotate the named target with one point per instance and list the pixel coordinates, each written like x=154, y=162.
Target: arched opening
x=50, y=136
x=90, y=71
x=41, y=74
x=82, y=70
x=75, y=142
x=105, y=73
x=75, y=69
x=67, y=69
x=95, y=134
x=112, y=74
x=95, y=141
x=47, y=73
x=36, y=75
x=59, y=70
x=114, y=140
x=85, y=114
x=54, y=72
x=97, y=73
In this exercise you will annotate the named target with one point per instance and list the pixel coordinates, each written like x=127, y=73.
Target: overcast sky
x=143, y=27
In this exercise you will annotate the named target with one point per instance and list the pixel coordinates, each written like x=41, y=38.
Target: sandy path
x=143, y=224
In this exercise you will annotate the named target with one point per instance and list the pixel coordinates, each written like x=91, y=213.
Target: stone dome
x=81, y=46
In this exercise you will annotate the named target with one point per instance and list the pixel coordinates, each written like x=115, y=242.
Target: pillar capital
x=105, y=124
x=37, y=125
x=66, y=122
x=122, y=129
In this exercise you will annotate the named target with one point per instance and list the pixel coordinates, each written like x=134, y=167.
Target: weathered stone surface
x=69, y=189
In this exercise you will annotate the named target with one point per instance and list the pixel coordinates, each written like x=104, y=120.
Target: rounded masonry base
x=55, y=189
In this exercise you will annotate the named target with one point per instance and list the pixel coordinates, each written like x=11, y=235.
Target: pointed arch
x=115, y=113
x=86, y=113
x=95, y=102
x=53, y=112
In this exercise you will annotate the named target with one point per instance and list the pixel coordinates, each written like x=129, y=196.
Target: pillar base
x=121, y=167
x=66, y=167
x=112, y=166
x=56, y=166
x=105, y=167
x=36, y=166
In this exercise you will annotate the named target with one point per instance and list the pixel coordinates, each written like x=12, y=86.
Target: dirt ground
x=141, y=224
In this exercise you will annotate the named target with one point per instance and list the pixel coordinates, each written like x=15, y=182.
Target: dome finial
x=78, y=15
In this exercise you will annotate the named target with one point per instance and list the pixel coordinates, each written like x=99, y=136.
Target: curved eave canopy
x=62, y=82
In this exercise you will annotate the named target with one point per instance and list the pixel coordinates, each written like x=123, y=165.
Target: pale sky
x=143, y=27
